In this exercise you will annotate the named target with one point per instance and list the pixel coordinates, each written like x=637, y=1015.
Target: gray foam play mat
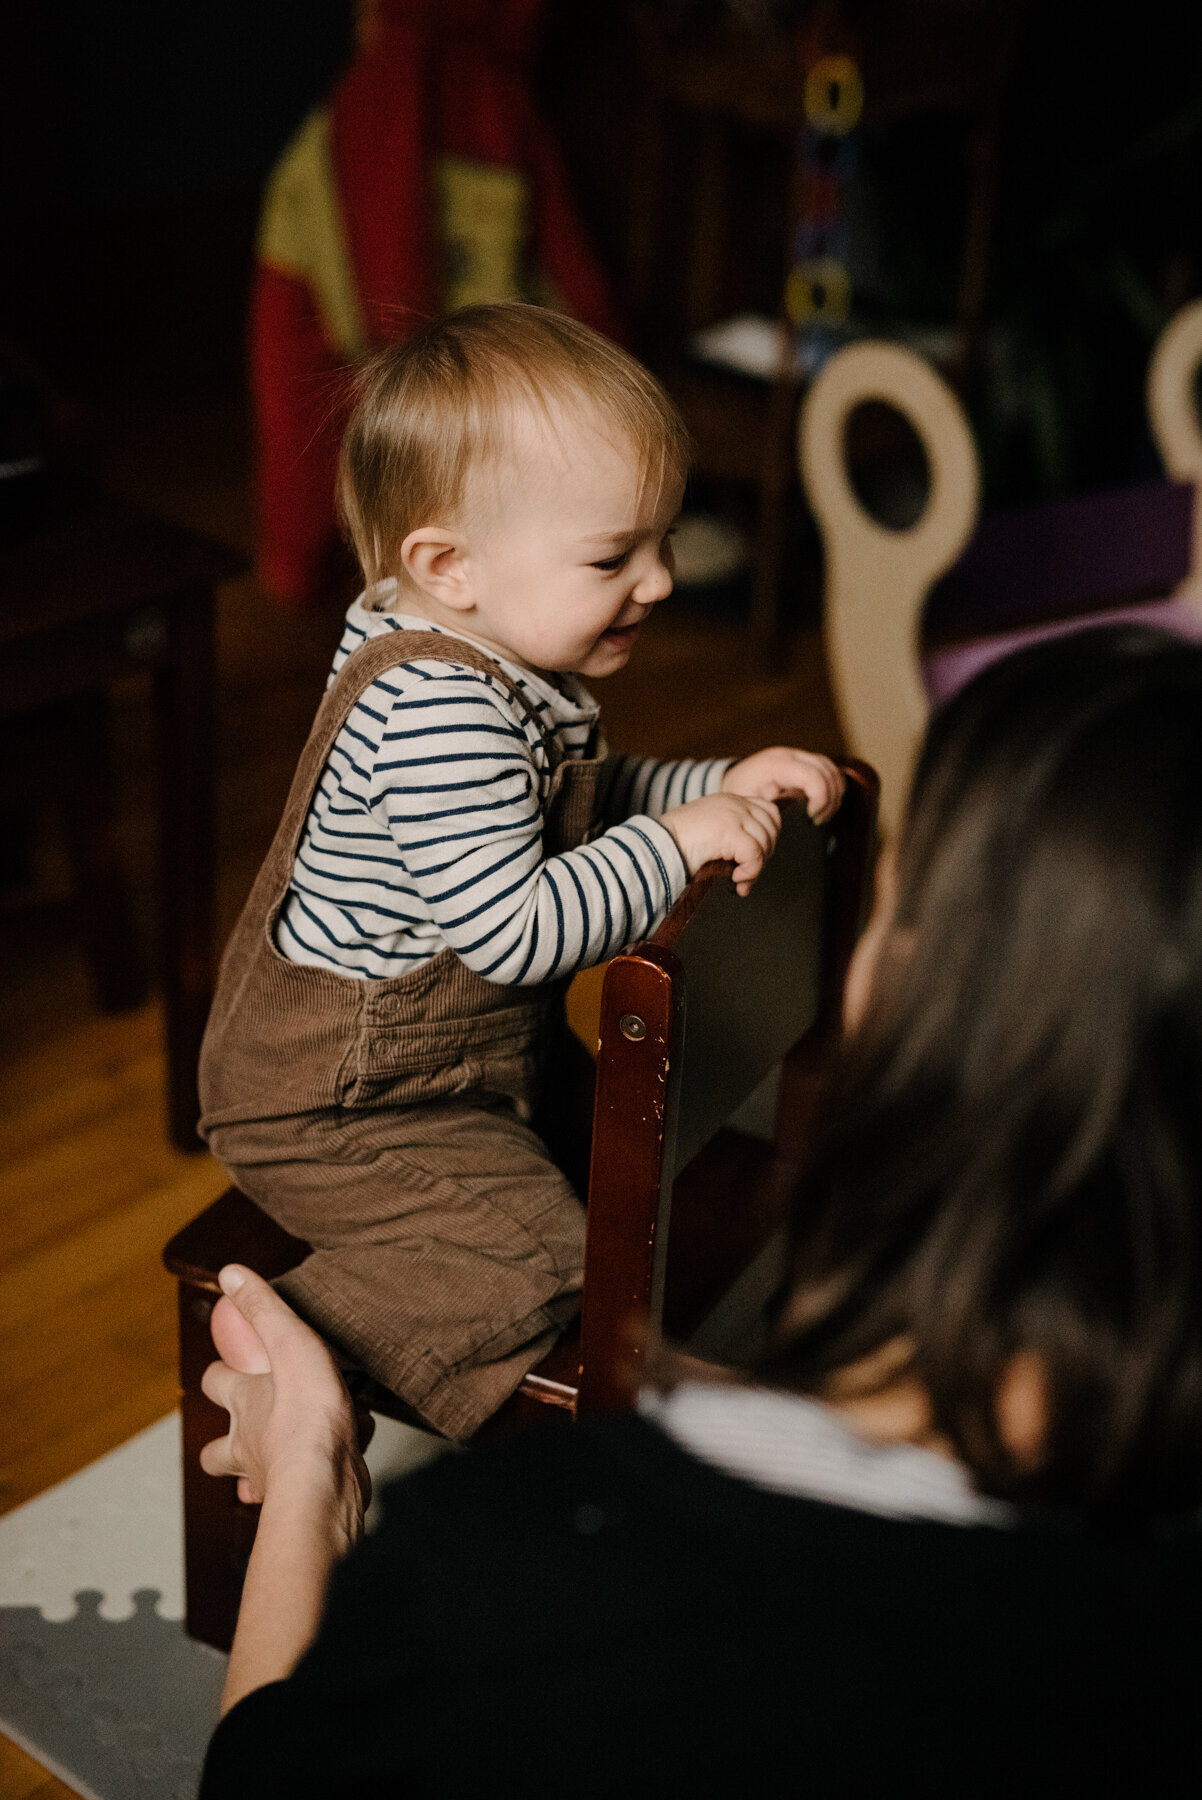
x=97, y=1678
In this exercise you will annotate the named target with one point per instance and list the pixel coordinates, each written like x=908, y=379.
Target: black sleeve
x=348, y=1717
x=269, y=1745
x=436, y=1625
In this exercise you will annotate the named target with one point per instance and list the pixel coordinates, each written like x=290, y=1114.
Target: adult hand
x=292, y=1444
x=770, y=774
x=291, y=1420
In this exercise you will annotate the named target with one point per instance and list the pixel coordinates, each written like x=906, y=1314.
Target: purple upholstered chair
x=912, y=615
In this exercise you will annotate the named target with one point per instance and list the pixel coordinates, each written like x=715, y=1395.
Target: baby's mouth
x=622, y=631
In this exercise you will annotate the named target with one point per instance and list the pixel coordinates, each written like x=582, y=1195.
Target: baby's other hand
x=725, y=828
x=771, y=773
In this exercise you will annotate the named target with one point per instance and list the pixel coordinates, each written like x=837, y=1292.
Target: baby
x=386, y=1070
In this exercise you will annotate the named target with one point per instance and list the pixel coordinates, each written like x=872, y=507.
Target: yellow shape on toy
x=301, y=233
x=834, y=95
x=482, y=215
x=818, y=292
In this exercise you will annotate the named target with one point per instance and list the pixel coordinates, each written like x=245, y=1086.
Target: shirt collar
x=795, y=1445
x=567, y=700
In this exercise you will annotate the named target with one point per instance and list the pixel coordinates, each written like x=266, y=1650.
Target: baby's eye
x=612, y=563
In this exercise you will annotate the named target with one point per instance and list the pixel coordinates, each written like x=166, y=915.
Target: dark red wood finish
x=219, y=1530
x=630, y=1125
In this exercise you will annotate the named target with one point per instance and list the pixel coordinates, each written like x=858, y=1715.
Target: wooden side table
x=101, y=593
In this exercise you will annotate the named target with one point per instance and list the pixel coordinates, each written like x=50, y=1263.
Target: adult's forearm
x=304, y=1529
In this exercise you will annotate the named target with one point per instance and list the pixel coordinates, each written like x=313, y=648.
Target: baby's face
x=574, y=553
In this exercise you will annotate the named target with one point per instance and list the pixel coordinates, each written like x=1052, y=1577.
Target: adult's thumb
x=259, y=1304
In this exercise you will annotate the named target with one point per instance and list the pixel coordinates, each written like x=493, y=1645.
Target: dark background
x=135, y=138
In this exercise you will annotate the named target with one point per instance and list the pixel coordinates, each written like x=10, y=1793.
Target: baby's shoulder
x=424, y=709
x=426, y=686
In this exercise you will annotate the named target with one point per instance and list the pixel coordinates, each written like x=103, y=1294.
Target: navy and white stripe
x=426, y=829
x=794, y=1445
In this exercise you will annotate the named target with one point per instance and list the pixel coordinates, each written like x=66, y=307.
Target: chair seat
x=232, y=1229
x=946, y=671
x=725, y=1205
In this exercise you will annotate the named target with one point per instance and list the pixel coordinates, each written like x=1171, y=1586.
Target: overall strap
x=362, y=667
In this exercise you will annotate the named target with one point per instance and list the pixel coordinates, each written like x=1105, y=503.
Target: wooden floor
x=91, y=1188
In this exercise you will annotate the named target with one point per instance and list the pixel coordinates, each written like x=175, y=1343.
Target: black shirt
x=595, y=1611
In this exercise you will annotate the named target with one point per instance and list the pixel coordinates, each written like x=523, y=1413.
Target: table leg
x=777, y=478
x=115, y=958
x=185, y=696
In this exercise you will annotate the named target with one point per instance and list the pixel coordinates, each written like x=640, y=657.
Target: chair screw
x=632, y=1027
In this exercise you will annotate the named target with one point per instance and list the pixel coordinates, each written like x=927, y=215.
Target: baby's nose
x=655, y=585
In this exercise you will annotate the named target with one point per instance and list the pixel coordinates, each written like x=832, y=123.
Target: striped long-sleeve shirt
x=426, y=829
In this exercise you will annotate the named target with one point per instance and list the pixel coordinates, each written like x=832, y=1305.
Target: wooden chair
x=694, y=1021
x=911, y=615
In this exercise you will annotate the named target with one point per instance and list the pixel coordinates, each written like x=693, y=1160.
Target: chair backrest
x=1173, y=409
x=693, y=1021
x=948, y=577
x=877, y=577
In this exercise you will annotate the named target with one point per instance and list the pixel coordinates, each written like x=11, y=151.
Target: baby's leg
x=448, y=1251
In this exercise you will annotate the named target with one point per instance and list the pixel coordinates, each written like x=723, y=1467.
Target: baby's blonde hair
x=435, y=408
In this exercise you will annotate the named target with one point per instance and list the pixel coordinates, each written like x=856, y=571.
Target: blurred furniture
x=732, y=1004
x=911, y=615
x=101, y=593
x=701, y=84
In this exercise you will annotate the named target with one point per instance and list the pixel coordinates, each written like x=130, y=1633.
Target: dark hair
x=1014, y=1154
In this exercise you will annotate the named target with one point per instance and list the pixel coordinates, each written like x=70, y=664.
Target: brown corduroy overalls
x=389, y=1122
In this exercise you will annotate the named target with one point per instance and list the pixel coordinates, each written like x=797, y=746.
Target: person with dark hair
x=944, y=1539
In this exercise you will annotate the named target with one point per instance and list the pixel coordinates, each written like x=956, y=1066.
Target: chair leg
x=218, y=1529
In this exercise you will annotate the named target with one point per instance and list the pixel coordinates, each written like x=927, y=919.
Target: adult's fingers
x=236, y=1341
x=279, y=1330
x=216, y=1457
x=220, y=1383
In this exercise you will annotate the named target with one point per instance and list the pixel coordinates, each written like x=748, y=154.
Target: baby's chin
x=610, y=653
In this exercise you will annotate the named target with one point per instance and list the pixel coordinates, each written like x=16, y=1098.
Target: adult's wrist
x=305, y=1528
x=319, y=1495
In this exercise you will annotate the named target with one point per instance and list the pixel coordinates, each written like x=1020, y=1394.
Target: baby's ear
x=432, y=557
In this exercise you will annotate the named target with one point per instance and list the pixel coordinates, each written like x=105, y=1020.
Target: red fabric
x=440, y=76
x=298, y=385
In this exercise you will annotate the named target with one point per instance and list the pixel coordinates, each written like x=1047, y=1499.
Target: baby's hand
x=727, y=828
x=770, y=773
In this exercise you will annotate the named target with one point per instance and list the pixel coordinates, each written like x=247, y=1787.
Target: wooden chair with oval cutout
x=912, y=614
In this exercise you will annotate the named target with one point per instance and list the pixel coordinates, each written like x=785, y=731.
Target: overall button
x=389, y=1003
